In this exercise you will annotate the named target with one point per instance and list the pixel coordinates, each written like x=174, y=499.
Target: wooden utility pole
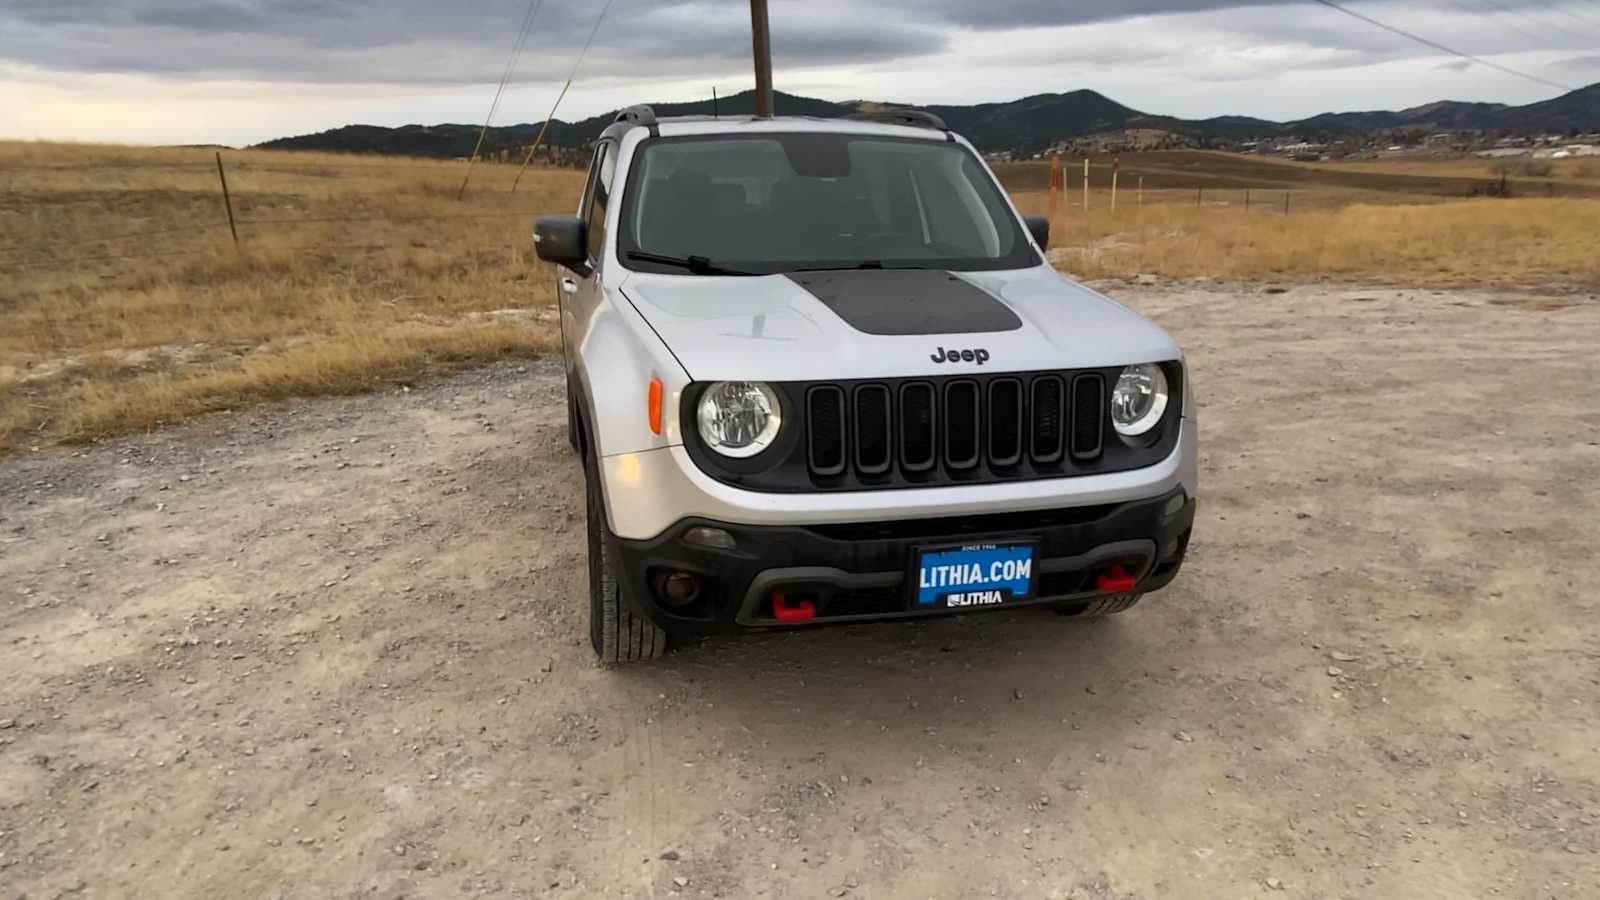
x=761, y=40
x=1116, y=164
x=227, y=200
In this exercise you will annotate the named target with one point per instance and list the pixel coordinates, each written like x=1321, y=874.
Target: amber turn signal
x=655, y=405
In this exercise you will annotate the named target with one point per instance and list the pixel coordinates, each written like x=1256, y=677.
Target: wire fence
x=420, y=164
x=12, y=257
x=1069, y=192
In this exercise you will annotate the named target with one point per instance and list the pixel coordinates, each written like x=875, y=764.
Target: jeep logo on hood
x=949, y=355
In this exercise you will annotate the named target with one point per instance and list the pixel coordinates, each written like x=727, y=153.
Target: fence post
x=1246, y=199
x=1057, y=182
x=1286, y=203
x=227, y=201
x=1086, y=184
x=1198, y=193
x=1141, y=190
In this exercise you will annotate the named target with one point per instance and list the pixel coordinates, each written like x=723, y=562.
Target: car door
x=581, y=296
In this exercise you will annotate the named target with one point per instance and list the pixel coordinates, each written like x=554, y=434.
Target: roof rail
x=915, y=118
x=638, y=114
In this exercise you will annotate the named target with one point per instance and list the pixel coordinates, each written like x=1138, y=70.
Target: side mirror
x=563, y=240
x=1039, y=227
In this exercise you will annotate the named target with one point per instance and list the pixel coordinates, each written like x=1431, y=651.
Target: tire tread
x=618, y=634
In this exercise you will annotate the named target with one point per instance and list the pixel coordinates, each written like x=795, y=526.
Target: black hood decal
x=907, y=301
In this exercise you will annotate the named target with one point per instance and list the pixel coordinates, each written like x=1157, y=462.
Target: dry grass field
x=1320, y=183
x=125, y=304
x=1493, y=240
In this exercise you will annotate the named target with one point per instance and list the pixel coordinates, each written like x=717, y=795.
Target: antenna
x=761, y=41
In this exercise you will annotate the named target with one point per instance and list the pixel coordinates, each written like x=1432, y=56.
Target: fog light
x=1173, y=506
x=680, y=588
x=715, y=538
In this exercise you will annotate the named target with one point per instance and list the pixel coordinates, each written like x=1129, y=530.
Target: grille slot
x=1088, y=416
x=873, y=429
x=961, y=424
x=918, y=421
x=1005, y=422
x=1048, y=408
x=825, y=430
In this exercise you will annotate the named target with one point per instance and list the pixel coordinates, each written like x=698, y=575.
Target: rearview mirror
x=563, y=240
x=1039, y=227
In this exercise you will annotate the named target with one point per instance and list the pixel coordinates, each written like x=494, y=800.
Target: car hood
x=888, y=323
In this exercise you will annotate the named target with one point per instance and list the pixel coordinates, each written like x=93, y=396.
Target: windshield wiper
x=699, y=265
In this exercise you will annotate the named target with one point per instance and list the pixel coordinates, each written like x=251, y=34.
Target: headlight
x=1139, y=399
x=739, y=418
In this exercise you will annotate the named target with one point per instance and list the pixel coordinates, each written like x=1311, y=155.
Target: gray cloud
x=429, y=42
x=406, y=41
x=1580, y=63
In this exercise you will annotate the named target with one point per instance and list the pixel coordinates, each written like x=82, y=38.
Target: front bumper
x=861, y=571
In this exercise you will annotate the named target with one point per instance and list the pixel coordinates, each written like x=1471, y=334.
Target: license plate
x=974, y=575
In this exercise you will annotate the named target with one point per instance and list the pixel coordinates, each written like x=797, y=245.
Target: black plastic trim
x=836, y=561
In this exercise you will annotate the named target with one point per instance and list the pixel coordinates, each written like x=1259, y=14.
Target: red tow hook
x=799, y=611
x=1116, y=581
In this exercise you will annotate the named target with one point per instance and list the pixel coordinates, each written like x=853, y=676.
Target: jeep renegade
x=820, y=371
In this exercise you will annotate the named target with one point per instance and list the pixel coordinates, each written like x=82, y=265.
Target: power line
x=571, y=75
x=1438, y=46
x=1477, y=11
x=505, y=78
x=1561, y=31
x=1585, y=20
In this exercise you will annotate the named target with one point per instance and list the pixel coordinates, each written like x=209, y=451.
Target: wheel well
x=580, y=412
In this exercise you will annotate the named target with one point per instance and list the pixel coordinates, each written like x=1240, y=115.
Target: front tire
x=618, y=634
x=1099, y=607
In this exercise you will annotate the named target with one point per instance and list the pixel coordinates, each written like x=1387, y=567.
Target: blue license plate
x=974, y=575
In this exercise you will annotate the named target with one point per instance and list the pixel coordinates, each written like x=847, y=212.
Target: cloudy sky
x=239, y=71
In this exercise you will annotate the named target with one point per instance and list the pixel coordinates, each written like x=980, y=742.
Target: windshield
x=769, y=203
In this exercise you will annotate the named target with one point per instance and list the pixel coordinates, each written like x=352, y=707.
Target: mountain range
x=1025, y=125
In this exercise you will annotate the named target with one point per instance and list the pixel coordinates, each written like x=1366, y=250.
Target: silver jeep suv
x=820, y=371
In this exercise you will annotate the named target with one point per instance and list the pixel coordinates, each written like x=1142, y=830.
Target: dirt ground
x=337, y=650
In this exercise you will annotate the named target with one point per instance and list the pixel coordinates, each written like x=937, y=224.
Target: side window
x=600, y=197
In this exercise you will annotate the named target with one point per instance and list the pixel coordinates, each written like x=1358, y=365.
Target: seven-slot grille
x=956, y=424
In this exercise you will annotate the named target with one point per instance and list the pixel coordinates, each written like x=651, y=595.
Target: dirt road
x=337, y=651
